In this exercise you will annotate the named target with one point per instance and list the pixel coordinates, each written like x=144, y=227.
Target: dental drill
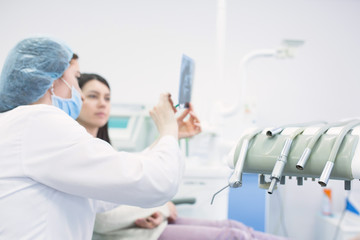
x=282, y=160
x=325, y=175
x=278, y=130
x=235, y=180
x=307, y=152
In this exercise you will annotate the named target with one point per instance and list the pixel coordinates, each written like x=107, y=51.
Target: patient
x=127, y=222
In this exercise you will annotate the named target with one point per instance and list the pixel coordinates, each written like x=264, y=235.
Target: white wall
x=137, y=46
x=322, y=82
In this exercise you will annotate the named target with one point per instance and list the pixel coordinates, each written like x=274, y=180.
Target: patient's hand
x=173, y=212
x=190, y=127
x=150, y=222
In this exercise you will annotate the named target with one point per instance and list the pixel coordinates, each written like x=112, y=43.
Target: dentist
x=54, y=176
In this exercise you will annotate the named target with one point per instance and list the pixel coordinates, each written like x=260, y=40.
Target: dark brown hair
x=103, y=132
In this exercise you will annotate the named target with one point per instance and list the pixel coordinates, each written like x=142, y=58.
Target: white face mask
x=72, y=106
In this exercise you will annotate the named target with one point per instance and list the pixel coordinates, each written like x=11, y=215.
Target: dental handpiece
x=278, y=130
x=307, y=152
x=279, y=165
x=325, y=175
x=235, y=180
x=282, y=160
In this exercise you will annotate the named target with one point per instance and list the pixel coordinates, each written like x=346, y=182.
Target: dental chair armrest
x=178, y=201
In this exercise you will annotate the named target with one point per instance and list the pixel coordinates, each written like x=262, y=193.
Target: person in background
x=54, y=175
x=127, y=222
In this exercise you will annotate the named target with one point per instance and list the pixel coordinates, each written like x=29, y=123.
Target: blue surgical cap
x=30, y=69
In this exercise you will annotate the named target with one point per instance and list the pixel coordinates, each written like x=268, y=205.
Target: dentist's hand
x=163, y=115
x=190, y=127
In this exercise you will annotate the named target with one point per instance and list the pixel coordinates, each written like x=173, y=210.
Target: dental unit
x=331, y=151
x=235, y=180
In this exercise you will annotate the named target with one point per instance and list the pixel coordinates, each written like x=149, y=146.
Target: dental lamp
x=285, y=51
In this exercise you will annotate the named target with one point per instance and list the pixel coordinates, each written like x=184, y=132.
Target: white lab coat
x=51, y=169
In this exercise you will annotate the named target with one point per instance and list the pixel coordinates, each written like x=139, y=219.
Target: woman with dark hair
x=95, y=113
x=91, y=93
x=128, y=222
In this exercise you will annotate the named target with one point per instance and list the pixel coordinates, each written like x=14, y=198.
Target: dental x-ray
x=186, y=80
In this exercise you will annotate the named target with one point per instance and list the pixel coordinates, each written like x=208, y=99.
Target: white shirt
x=51, y=169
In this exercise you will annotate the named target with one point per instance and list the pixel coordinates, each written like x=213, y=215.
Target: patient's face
x=96, y=105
